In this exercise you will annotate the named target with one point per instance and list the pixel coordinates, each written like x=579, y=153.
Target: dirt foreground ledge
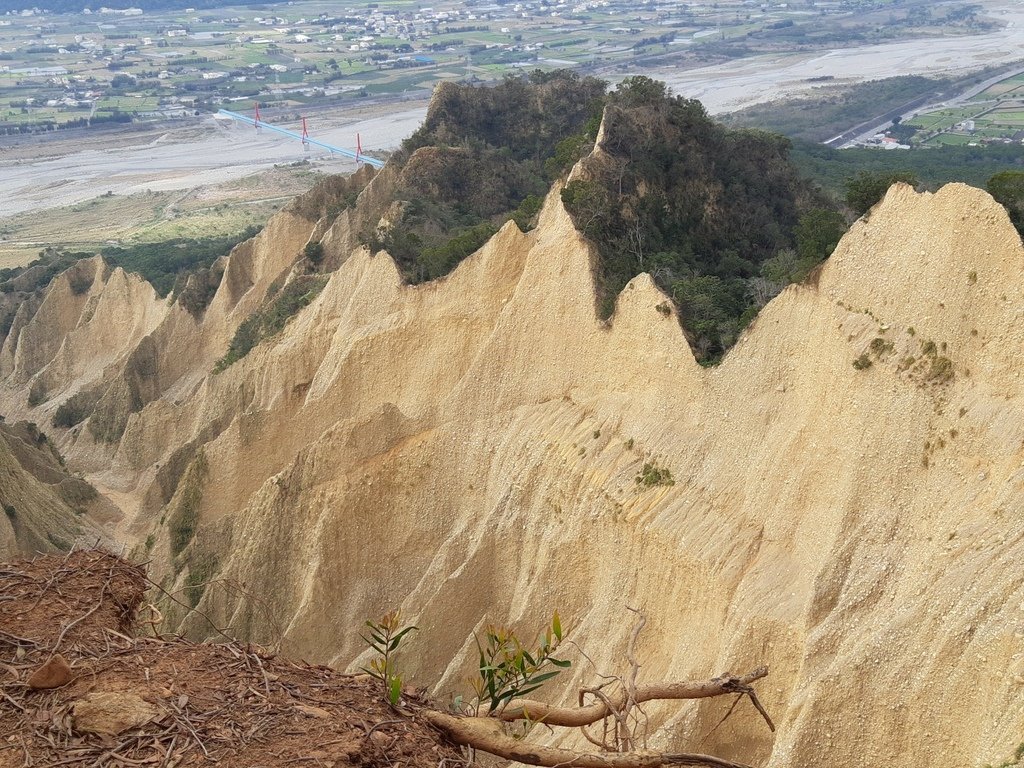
x=79, y=688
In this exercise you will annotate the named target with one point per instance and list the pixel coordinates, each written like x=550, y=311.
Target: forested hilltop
x=721, y=218
x=482, y=156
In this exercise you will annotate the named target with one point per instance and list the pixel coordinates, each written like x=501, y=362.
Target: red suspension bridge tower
x=307, y=141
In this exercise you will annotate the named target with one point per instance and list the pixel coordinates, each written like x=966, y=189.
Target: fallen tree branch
x=576, y=717
x=485, y=734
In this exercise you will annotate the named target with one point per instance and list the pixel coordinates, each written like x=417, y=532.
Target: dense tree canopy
x=1007, y=187
x=867, y=187
x=482, y=156
x=701, y=207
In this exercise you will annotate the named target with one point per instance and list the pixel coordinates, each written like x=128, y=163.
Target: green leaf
x=563, y=663
x=508, y=695
x=398, y=638
x=546, y=676
x=556, y=625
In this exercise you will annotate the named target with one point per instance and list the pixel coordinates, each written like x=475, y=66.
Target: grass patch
x=201, y=569
x=185, y=518
x=272, y=318
x=652, y=475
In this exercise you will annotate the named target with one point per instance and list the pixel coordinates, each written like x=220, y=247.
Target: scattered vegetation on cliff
x=76, y=408
x=185, y=517
x=272, y=317
x=652, y=475
x=328, y=197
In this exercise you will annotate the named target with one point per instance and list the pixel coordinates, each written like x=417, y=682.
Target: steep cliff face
x=44, y=507
x=474, y=449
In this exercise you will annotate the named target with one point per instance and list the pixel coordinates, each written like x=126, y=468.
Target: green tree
x=867, y=187
x=314, y=251
x=122, y=81
x=640, y=90
x=1007, y=187
x=818, y=233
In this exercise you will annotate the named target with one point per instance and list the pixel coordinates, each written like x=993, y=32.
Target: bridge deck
x=306, y=140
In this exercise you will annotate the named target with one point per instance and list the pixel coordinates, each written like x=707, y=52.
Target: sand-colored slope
x=43, y=508
x=468, y=450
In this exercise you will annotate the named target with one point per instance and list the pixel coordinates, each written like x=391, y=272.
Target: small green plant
x=597, y=433
x=314, y=251
x=10, y=511
x=664, y=309
x=940, y=371
x=509, y=670
x=150, y=541
x=37, y=394
x=652, y=475
x=629, y=444
x=863, y=362
x=928, y=348
x=911, y=331
x=972, y=277
x=880, y=346
x=386, y=635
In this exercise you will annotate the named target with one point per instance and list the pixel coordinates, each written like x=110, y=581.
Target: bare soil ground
x=170, y=702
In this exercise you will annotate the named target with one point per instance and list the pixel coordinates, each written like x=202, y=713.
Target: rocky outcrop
x=483, y=448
